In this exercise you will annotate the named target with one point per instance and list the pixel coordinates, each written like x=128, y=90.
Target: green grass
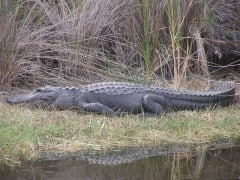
x=146, y=36
x=25, y=132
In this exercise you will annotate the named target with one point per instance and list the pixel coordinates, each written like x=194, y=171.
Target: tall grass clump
x=8, y=28
x=186, y=43
x=176, y=22
x=146, y=36
x=69, y=42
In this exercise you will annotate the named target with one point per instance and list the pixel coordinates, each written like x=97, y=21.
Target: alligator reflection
x=206, y=164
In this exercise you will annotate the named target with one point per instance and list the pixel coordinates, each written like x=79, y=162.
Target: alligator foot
x=98, y=108
x=153, y=104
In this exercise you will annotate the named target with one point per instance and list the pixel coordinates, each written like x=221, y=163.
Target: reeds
x=74, y=42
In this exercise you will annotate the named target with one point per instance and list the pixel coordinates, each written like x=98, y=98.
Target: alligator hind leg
x=153, y=103
x=98, y=108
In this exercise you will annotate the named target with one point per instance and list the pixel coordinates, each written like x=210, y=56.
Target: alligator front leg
x=154, y=104
x=98, y=108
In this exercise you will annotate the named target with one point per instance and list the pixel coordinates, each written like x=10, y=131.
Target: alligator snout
x=15, y=99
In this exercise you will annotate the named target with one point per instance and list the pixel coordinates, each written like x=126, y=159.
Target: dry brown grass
x=73, y=42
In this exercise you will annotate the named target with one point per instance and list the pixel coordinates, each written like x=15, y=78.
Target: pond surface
x=212, y=164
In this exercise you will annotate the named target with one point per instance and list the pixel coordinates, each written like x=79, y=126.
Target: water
x=222, y=164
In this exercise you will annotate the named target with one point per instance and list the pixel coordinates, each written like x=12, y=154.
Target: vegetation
x=25, y=132
x=72, y=42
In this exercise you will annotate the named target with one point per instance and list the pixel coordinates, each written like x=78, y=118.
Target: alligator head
x=44, y=97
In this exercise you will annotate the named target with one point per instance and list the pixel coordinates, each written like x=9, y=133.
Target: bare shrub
x=222, y=31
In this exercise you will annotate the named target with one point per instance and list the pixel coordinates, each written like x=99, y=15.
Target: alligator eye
x=38, y=90
x=42, y=90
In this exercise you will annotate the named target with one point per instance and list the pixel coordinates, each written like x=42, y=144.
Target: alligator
x=114, y=98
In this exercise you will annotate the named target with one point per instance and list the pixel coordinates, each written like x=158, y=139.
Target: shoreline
x=25, y=132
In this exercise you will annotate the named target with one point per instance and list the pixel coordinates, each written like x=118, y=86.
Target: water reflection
x=204, y=164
